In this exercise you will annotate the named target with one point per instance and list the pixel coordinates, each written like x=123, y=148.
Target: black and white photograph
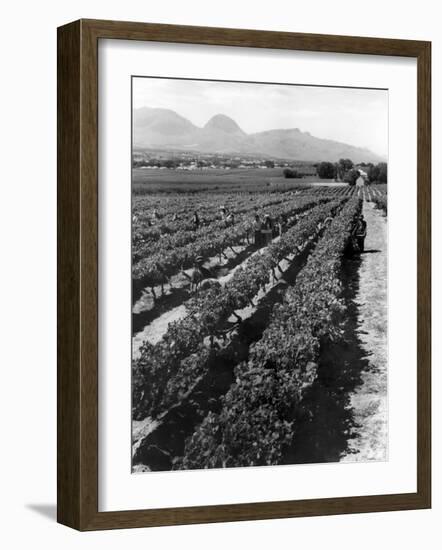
x=221, y=237
x=259, y=274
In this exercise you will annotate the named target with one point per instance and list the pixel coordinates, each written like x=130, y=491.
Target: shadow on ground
x=178, y=295
x=160, y=449
x=326, y=424
x=174, y=298
x=48, y=511
x=371, y=251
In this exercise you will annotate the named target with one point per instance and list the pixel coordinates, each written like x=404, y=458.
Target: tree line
x=345, y=170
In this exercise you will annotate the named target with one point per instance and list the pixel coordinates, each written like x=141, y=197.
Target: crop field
x=249, y=351
x=236, y=179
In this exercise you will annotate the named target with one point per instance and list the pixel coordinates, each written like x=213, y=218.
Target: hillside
x=167, y=129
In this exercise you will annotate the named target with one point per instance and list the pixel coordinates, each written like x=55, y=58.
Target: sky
x=354, y=116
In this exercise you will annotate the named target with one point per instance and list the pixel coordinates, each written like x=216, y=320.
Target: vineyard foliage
x=380, y=202
x=257, y=421
x=174, y=252
x=224, y=371
x=161, y=250
x=167, y=371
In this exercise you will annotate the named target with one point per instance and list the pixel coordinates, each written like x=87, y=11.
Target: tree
x=383, y=172
x=326, y=170
x=269, y=164
x=344, y=165
x=378, y=173
x=351, y=176
x=170, y=163
x=289, y=173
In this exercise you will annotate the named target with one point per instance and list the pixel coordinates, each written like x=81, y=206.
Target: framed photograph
x=243, y=274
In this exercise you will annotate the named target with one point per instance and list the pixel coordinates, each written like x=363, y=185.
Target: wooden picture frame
x=78, y=274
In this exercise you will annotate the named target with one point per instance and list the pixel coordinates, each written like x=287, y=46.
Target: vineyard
x=239, y=365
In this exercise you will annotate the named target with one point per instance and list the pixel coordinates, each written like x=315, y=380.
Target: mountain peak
x=162, y=121
x=166, y=129
x=225, y=124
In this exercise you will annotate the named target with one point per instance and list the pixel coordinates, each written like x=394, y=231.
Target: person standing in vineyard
x=226, y=216
x=223, y=213
x=257, y=227
x=155, y=216
x=281, y=224
x=203, y=271
x=267, y=229
x=360, y=232
x=195, y=220
x=230, y=219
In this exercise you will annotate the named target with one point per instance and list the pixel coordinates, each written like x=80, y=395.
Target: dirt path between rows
x=369, y=401
x=154, y=331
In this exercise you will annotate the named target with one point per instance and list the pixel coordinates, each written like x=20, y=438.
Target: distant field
x=253, y=179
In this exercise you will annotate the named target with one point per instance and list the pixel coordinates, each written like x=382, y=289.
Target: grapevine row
x=257, y=420
x=187, y=234
x=208, y=206
x=167, y=225
x=166, y=371
x=157, y=268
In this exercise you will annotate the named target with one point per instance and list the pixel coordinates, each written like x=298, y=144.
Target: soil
x=155, y=330
x=344, y=415
x=369, y=401
x=156, y=443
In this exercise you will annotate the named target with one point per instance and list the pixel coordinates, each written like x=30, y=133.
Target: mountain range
x=166, y=129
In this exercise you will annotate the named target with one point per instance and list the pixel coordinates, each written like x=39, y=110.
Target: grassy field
x=240, y=179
